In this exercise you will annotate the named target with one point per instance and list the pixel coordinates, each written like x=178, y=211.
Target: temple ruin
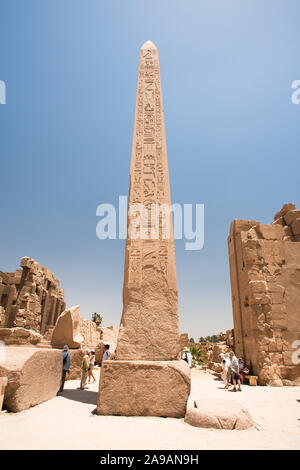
x=30, y=297
x=265, y=286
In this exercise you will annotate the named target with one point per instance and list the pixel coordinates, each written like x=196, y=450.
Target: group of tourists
x=233, y=370
x=87, y=366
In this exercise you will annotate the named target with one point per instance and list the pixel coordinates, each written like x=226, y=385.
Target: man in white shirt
x=236, y=378
x=186, y=356
x=106, y=354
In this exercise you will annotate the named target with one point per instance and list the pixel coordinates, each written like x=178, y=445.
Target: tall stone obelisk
x=149, y=327
x=146, y=378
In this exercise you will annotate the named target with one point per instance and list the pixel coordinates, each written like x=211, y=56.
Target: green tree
x=197, y=354
x=192, y=340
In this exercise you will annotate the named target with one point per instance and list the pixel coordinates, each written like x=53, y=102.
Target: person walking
x=84, y=369
x=234, y=364
x=92, y=364
x=225, y=375
x=66, y=366
x=106, y=354
x=187, y=357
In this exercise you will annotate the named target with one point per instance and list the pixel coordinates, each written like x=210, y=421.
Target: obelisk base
x=144, y=388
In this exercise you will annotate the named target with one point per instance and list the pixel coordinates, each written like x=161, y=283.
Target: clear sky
x=70, y=68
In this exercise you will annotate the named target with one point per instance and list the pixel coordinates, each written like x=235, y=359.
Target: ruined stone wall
x=265, y=285
x=30, y=298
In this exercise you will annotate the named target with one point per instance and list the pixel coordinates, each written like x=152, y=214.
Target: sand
x=67, y=422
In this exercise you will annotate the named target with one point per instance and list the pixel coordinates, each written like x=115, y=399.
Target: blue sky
x=70, y=68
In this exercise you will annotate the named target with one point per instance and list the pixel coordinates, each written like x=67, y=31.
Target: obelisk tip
x=148, y=45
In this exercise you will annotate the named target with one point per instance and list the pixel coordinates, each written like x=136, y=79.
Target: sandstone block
x=271, y=251
x=67, y=329
x=290, y=206
x=287, y=358
x=19, y=335
x=270, y=375
x=290, y=216
x=144, y=388
x=270, y=232
x=280, y=324
x=218, y=414
x=296, y=227
x=258, y=286
x=34, y=376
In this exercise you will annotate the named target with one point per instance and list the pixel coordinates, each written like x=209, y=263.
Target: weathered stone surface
x=149, y=326
x=290, y=216
x=90, y=333
x=216, y=414
x=296, y=227
x=19, y=336
x=30, y=298
x=265, y=287
x=270, y=232
x=108, y=334
x=67, y=329
x=144, y=388
x=34, y=376
x=290, y=206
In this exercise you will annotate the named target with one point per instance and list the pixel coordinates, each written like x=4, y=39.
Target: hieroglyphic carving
x=148, y=178
x=149, y=327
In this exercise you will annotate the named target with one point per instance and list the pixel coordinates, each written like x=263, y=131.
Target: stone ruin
x=211, y=351
x=30, y=297
x=34, y=326
x=265, y=285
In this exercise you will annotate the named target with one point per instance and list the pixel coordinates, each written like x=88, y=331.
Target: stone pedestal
x=144, y=388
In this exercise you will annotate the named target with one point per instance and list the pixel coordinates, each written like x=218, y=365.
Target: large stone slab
x=218, y=414
x=34, y=376
x=144, y=388
x=67, y=329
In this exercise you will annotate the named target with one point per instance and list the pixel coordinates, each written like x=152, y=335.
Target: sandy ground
x=67, y=422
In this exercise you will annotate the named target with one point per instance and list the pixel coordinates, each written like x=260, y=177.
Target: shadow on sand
x=84, y=396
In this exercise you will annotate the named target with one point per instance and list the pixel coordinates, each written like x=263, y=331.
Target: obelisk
x=146, y=378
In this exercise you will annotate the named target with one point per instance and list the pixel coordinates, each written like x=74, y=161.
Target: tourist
x=106, y=354
x=226, y=371
x=234, y=364
x=186, y=356
x=92, y=364
x=243, y=369
x=84, y=369
x=66, y=366
x=94, y=316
